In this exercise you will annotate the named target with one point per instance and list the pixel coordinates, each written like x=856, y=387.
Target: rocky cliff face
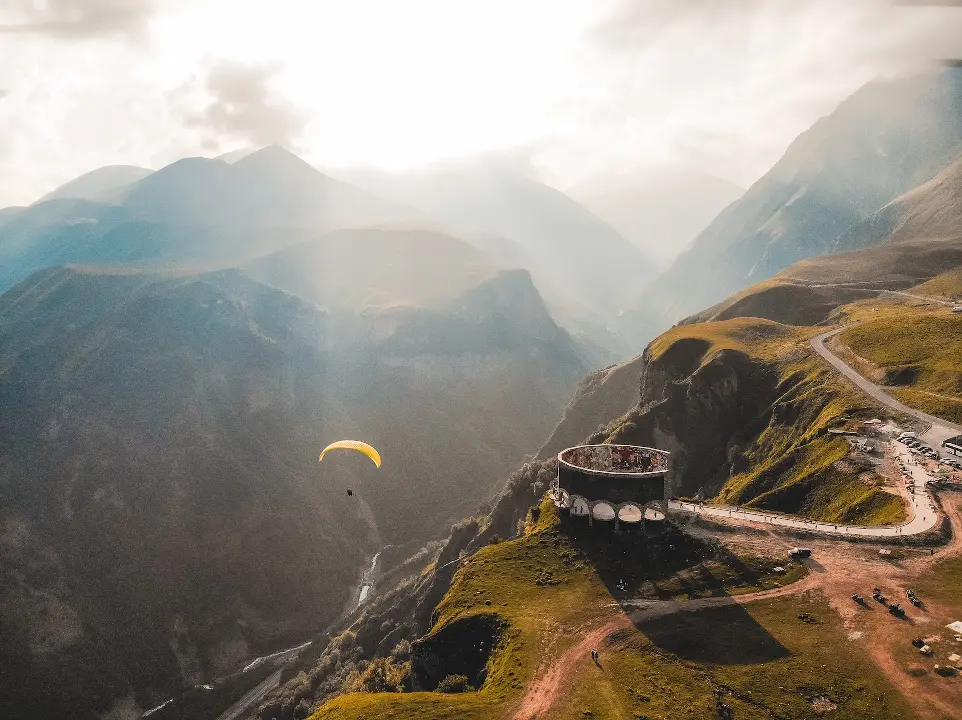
x=459, y=648
x=702, y=412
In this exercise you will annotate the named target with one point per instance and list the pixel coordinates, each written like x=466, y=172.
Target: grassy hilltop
x=917, y=352
x=552, y=586
x=778, y=455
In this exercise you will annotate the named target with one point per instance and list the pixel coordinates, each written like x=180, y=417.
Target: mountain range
x=165, y=518
x=161, y=417
x=177, y=345
x=195, y=211
x=883, y=141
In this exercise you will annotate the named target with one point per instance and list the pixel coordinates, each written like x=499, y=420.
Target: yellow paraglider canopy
x=362, y=447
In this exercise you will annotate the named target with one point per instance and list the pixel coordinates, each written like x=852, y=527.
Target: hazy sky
x=575, y=87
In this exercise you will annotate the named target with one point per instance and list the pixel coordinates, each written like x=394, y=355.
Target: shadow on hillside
x=667, y=564
x=721, y=635
x=634, y=563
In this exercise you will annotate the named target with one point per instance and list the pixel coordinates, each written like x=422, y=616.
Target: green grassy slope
x=553, y=584
x=784, y=302
x=790, y=464
x=947, y=285
x=795, y=466
x=918, y=351
x=761, y=661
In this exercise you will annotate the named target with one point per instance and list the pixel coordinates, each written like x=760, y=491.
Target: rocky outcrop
x=702, y=412
x=461, y=647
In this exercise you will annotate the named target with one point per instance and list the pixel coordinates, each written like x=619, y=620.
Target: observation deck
x=619, y=483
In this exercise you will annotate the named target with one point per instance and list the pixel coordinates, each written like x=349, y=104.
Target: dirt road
x=544, y=690
x=838, y=569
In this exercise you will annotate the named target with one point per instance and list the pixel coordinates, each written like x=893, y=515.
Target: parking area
x=943, y=468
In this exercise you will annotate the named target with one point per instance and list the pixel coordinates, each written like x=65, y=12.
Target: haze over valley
x=633, y=306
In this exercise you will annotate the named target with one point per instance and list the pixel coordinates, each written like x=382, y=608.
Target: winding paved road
x=861, y=285
x=922, y=516
x=940, y=429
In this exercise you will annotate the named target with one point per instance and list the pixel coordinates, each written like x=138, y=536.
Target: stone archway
x=603, y=510
x=630, y=513
x=579, y=506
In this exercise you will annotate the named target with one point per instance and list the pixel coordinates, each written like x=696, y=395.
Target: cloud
x=726, y=85
x=3, y=93
x=243, y=107
x=77, y=19
x=879, y=30
x=634, y=24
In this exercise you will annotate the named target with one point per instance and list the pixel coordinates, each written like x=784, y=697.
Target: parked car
x=799, y=552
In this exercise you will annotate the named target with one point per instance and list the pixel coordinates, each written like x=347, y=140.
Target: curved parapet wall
x=615, y=460
x=611, y=482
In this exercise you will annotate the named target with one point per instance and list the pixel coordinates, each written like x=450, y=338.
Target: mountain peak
x=275, y=156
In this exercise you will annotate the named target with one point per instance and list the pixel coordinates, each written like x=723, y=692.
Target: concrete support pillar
x=617, y=527
x=591, y=520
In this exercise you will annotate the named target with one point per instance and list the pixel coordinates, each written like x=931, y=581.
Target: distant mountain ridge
x=660, y=211
x=206, y=214
x=366, y=269
x=101, y=185
x=582, y=266
x=931, y=211
x=196, y=211
x=271, y=187
x=915, y=237
x=887, y=138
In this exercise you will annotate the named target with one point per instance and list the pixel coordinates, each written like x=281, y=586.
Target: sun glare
x=395, y=84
